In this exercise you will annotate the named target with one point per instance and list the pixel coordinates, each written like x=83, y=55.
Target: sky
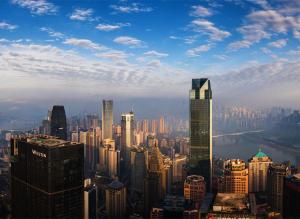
x=57, y=51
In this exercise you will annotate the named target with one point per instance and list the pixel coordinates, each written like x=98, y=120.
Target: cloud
x=129, y=41
x=131, y=8
x=278, y=43
x=208, y=28
x=156, y=54
x=198, y=50
x=82, y=14
x=37, y=7
x=113, y=54
x=200, y=11
x=111, y=27
x=239, y=44
x=7, y=26
x=84, y=43
x=51, y=32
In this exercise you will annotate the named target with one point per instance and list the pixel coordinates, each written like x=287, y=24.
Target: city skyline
x=84, y=50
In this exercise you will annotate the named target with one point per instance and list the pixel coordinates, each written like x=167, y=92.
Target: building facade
x=235, y=177
x=115, y=199
x=47, y=178
x=291, y=196
x=107, y=119
x=258, y=169
x=194, y=190
x=58, y=123
x=201, y=129
x=276, y=174
x=127, y=136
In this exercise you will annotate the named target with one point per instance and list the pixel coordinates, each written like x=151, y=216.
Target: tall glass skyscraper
x=59, y=122
x=127, y=127
x=201, y=130
x=107, y=119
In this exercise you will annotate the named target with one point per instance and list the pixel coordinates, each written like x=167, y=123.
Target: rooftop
x=260, y=154
x=116, y=185
x=47, y=141
x=231, y=202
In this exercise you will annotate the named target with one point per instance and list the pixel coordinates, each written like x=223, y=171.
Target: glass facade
x=107, y=119
x=58, y=122
x=201, y=129
x=47, y=181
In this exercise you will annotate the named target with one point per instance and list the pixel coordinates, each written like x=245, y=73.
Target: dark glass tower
x=201, y=130
x=107, y=119
x=59, y=122
x=46, y=178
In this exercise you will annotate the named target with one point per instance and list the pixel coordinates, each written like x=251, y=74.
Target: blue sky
x=88, y=49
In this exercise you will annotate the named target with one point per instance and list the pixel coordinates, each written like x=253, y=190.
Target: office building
x=201, y=130
x=107, y=119
x=161, y=128
x=58, y=122
x=139, y=165
x=235, y=177
x=90, y=200
x=275, y=177
x=109, y=159
x=154, y=126
x=258, y=169
x=47, y=178
x=178, y=163
x=115, y=200
x=291, y=196
x=127, y=136
x=191, y=214
x=155, y=180
x=194, y=190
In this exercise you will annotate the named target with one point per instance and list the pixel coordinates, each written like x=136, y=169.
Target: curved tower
x=59, y=122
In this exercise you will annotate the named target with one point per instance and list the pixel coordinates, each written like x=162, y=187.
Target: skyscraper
x=47, y=178
x=155, y=180
x=127, y=136
x=276, y=174
x=291, y=196
x=194, y=190
x=107, y=119
x=161, y=128
x=139, y=164
x=90, y=200
x=235, y=177
x=201, y=129
x=59, y=122
x=115, y=199
x=258, y=169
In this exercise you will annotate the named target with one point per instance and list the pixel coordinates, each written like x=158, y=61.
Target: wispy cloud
x=278, y=43
x=206, y=27
x=37, y=7
x=81, y=14
x=198, y=50
x=51, y=32
x=131, y=8
x=239, y=44
x=200, y=11
x=129, y=41
x=84, y=43
x=113, y=54
x=156, y=54
x=111, y=27
x=7, y=26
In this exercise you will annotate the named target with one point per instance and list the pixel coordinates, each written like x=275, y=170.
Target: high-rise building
x=145, y=125
x=161, y=128
x=107, y=119
x=115, y=200
x=235, y=177
x=90, y=200
x=154, y=126
x=109, y=158
x=157, y=213
x=275, y=177
x=179, y=161
x=191, y=214
x=194, y=190
x=59, y=122
x=139, y=164
x=201, y=130
x=258, y=169
x=291, y=196
x=155, y=180
x=127, y=136
x=47, y=178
